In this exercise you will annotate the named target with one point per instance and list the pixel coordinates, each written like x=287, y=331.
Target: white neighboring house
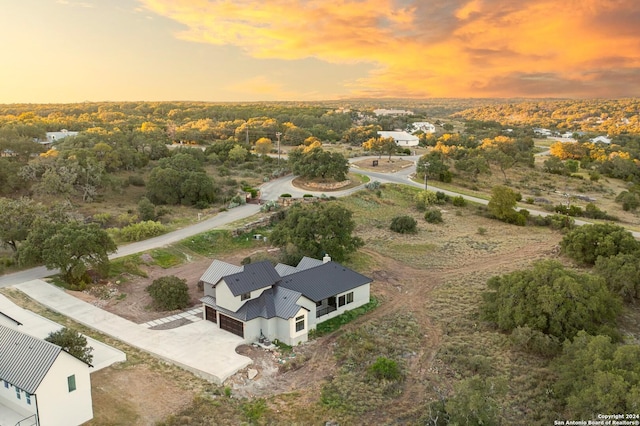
x=53, y=137
x=381, y=111
x=41, y=383
x=601, y=139
x=282, y=302
x=423, y=126
x=542, y=132
x=401, y=138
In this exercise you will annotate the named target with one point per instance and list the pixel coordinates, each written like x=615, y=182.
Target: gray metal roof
x=24, y=359
x=255, y=276
x=13, y=320
x=217, y=270
x=308, y=263
x=283, y=269
x=323, y=281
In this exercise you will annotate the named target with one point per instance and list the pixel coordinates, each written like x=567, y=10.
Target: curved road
x=269, y=191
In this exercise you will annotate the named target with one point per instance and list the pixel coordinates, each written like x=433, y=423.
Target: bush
x=385, y=369
x=169, y=293
x=442, y=198
x=586, y=243
x=424, y=199
x=142, y=231
x=135, y=180
x=373, y=185
x=459, y=201
x=285, y=195
x=404, y=225
x=433, y=216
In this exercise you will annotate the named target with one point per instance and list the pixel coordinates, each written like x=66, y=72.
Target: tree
x=315, y=230
x=318, y=163
x=622, y=274
x=238, y=154
x=551, y=299
x=436, y=168
x=502, y=205
x=73, y=247
x=169, y=293
x=264, y=146
x=16, y=219
x=72, y=342
x=597, y=376
x=146, y=209
x=585, y=243
x=381, y=146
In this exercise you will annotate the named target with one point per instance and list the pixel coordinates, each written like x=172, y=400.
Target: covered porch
x=326, y=306
x=10, y=417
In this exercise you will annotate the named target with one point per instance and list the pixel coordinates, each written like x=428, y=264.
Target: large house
x=401, y=138
x=283, y=302
x=422, y=126
x=41, y=384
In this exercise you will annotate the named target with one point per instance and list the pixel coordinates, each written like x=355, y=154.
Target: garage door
x=231, y=325
x=210, y=314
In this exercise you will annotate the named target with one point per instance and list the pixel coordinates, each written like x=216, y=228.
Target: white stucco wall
x=56, y=405
x=226, y=299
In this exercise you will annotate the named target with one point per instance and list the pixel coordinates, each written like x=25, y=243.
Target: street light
x=278, y=136
x=426, y=166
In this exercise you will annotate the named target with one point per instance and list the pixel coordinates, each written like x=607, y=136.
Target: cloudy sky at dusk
x=246, y=50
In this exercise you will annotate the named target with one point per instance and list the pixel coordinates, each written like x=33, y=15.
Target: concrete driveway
x=199, y=347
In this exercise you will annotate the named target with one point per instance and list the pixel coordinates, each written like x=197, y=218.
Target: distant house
x=382, y=112
x=53, y=137
x=282, y=302
x=41, y=384
x=422, y=126
x=401, y=138
x=601, y=139
x=542, y=132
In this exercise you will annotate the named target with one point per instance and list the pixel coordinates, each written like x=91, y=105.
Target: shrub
x=285, y=195
x=373, y=185
x=169, y=293
x=404, y=225
x=424, y=199
x=135, y=180
x=459, y=201
x=433, y=216
x=385, y=369
x=142, y=231
x=586, y=243
x=442, y=198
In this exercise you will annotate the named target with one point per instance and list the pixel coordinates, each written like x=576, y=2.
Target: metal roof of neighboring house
x=404, y=136
x=255, y=276
x=274, y=302
x=25, y=360
x=284, y=269
x=13, y=320
x=323, y=281
x=307, y=263
x=217, y=270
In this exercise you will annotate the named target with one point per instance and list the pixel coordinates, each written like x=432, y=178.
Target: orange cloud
x=445, y=48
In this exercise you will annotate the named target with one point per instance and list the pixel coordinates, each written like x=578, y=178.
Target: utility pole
x=426, y=167
x=278, y=134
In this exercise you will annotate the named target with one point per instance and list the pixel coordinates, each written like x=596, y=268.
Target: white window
x=245, y=296
x=6, y=384
x=71, y=382
x=300, y=323
x=18, y=395
x=27, y=397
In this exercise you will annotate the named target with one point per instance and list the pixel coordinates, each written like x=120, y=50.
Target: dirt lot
x=129, y=299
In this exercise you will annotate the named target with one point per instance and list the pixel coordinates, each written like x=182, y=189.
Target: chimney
x=326, y=258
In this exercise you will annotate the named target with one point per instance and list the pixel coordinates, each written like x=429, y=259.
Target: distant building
x=542, y=132
x=380, y=112
x=422, y=126
x=53, y=137
x=401, y=138
x=601, y=139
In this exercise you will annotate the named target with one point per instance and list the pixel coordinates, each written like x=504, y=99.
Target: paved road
x=269, y=191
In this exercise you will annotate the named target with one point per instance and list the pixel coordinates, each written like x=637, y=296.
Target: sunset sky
x=274, y=50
